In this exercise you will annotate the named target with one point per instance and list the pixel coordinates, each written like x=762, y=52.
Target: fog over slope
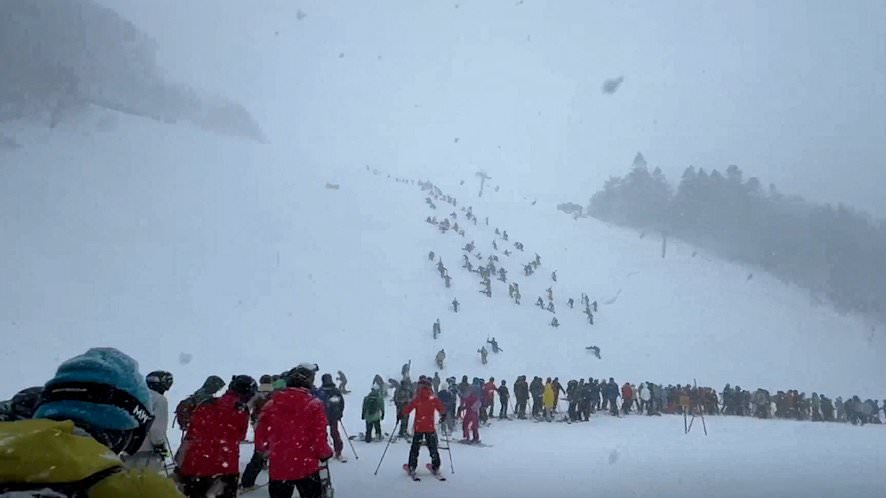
x=63, y=55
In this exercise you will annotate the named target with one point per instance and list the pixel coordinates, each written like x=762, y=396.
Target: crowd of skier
x=98, y=401
x=491, y=267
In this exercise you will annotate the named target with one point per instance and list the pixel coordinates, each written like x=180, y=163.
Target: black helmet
x=326, y=380
x=24, y=403
x=243, y=385
x=302, y=375
x=159, y=381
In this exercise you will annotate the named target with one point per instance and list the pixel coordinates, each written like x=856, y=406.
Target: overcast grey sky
x=791, y=91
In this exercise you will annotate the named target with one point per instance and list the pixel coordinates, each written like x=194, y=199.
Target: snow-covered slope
x=164, y=240
x=203, y=255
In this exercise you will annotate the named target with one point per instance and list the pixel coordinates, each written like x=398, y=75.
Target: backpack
x=334, y=409
x=184, y=411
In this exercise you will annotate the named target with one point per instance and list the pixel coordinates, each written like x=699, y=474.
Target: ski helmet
x=104, y=394
x=243, y=385
x=326, y=380
x=302, y=375
x=159, y=381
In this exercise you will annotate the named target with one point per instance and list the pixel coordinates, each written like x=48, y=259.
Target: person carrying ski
x=211, y=450
x=425, y=405
x=373, y=413
x=440, y=358
x=292, y=432
x=494, y=344
x=79, y=428
x=503, y=396
x=335, y=407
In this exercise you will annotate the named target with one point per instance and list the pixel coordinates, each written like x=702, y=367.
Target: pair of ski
x=436, y=473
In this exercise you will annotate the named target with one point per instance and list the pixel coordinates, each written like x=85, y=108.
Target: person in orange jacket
x=489, y=390
x=425, y=405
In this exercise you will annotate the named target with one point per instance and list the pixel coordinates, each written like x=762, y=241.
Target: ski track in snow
x=169, y=243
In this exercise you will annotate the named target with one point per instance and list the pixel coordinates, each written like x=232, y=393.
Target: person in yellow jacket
x=549, y=399
x=91, y=412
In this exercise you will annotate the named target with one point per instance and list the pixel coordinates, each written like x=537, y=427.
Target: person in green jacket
x=373, y=413
x=91, y=412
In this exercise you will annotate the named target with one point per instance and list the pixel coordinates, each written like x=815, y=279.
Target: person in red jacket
x=211, y=448
x=292, y=432
x=627, y=397
x=424, y=404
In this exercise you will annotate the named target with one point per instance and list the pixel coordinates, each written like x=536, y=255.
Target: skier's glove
x=161, y=451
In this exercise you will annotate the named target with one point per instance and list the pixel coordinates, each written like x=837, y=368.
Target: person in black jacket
x=537, y=389
x=335, y=408
x=503, y=396
x=521, y=392
x=611, y=394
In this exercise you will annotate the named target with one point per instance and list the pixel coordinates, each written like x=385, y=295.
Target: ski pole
x=390, y=439
x=326, y=480
x=171, y=457
x=448, y=449
x=349, y=439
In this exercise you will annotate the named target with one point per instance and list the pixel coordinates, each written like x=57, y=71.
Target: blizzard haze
x=236, y=187
x=793, y=92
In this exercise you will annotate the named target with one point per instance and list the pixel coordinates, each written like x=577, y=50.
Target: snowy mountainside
x=204, y=255
x=163, y=240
